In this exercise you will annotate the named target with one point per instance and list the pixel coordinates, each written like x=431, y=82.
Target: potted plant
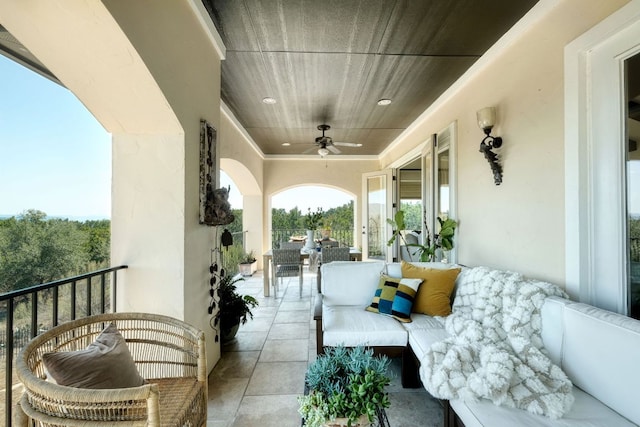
x=248, y=264
x=233, y=308
x=311, y=223
x=346, y=388
x=432, y=248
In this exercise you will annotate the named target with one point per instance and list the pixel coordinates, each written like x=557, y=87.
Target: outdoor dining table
x=356, y=255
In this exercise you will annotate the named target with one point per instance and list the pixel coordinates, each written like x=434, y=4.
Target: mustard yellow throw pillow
x=434, y=294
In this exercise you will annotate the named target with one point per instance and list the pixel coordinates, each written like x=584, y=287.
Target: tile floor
x=261, y=372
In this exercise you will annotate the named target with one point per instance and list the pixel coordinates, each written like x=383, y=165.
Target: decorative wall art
x=214, y=206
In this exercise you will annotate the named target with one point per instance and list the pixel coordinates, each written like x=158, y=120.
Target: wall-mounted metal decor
x=208, y=136
x=214, y=205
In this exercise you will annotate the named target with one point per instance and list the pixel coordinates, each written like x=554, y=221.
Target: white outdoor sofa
x=598, y=350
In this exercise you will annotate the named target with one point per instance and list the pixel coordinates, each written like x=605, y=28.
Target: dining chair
x=291, y=245
x=286, y=263
x=330, y=254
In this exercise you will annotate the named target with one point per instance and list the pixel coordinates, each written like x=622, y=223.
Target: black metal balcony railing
x=28, y=312
x=343, y=236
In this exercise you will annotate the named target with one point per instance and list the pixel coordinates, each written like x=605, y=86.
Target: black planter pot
x=228, y=332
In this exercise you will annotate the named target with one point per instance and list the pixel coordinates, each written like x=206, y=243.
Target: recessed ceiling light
x=286, y=144
x=384, y=101
x=268, y=100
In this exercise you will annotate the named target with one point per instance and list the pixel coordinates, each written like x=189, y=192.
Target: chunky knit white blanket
x=495, y=349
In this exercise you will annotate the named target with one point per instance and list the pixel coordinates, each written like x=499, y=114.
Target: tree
x=97, y=241
x=35, y=250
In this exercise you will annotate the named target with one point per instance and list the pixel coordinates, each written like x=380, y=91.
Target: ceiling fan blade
x=310, y=150
x=347, y=144
x=333, y=149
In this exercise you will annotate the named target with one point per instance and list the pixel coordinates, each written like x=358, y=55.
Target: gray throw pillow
x=106, y=363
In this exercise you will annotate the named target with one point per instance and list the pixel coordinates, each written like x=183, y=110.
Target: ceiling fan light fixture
x=384, y=101
x=268, y=100
x=323, y=151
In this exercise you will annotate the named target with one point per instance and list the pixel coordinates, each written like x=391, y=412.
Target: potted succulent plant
x=234, y=309
x=248, y=264
x=433, y=248
x=346, y=388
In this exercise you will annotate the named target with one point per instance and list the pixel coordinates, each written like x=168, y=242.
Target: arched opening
x=245, y=196
x=289, y=207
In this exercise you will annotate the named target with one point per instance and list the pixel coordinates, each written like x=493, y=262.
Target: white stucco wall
x=518, y=225
x=186, y=66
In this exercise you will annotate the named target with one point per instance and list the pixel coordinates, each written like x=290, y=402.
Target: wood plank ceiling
x=331, y=61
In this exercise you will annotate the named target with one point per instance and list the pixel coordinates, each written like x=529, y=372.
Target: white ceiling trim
x=224, y=109
x=207, y=25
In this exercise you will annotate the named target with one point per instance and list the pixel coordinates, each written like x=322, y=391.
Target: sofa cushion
x=394, y=269
x=394, y=297
x=349, y=283
x=435, y=290
x=600, y=355
x=423, y=321
x=552, y=323
x=421, y=339
x=351, y=326
x=586, y=411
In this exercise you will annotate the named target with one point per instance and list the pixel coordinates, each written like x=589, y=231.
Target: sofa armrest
x=317, y=316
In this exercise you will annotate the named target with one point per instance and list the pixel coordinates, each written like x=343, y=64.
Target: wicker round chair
x=167, y=352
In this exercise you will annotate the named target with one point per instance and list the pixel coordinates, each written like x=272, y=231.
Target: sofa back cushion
x=600, y=355
x=394, y=269
x=350, y=283
x=552, y=320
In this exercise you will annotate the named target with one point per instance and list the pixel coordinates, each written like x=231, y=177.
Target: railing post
x=34, y=314
x=102, y=286
x=114, y=291
x=73, y=299
x=8, y=365
x=88, y=308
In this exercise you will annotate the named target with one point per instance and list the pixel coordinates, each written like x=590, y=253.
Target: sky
x=56, y=158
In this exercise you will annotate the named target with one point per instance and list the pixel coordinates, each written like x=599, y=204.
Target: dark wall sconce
x=486, y=121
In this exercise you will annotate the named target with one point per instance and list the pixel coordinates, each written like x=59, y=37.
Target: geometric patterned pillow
x=404, y=299
x=394, y=297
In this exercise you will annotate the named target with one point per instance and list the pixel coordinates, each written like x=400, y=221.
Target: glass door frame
x=596, y=260
x=389, y=196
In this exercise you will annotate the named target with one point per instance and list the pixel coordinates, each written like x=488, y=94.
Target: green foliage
x=98, y=237
x=441, y=241
x=312, y=220
x=412, y=215
x=34, y=249
x=236, y=225
x=339, y=218
x=248, y=258
x=233, y=307
x=345, y=382
x=231, y=257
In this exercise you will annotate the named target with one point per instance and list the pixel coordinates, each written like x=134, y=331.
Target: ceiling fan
x=326, y=144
